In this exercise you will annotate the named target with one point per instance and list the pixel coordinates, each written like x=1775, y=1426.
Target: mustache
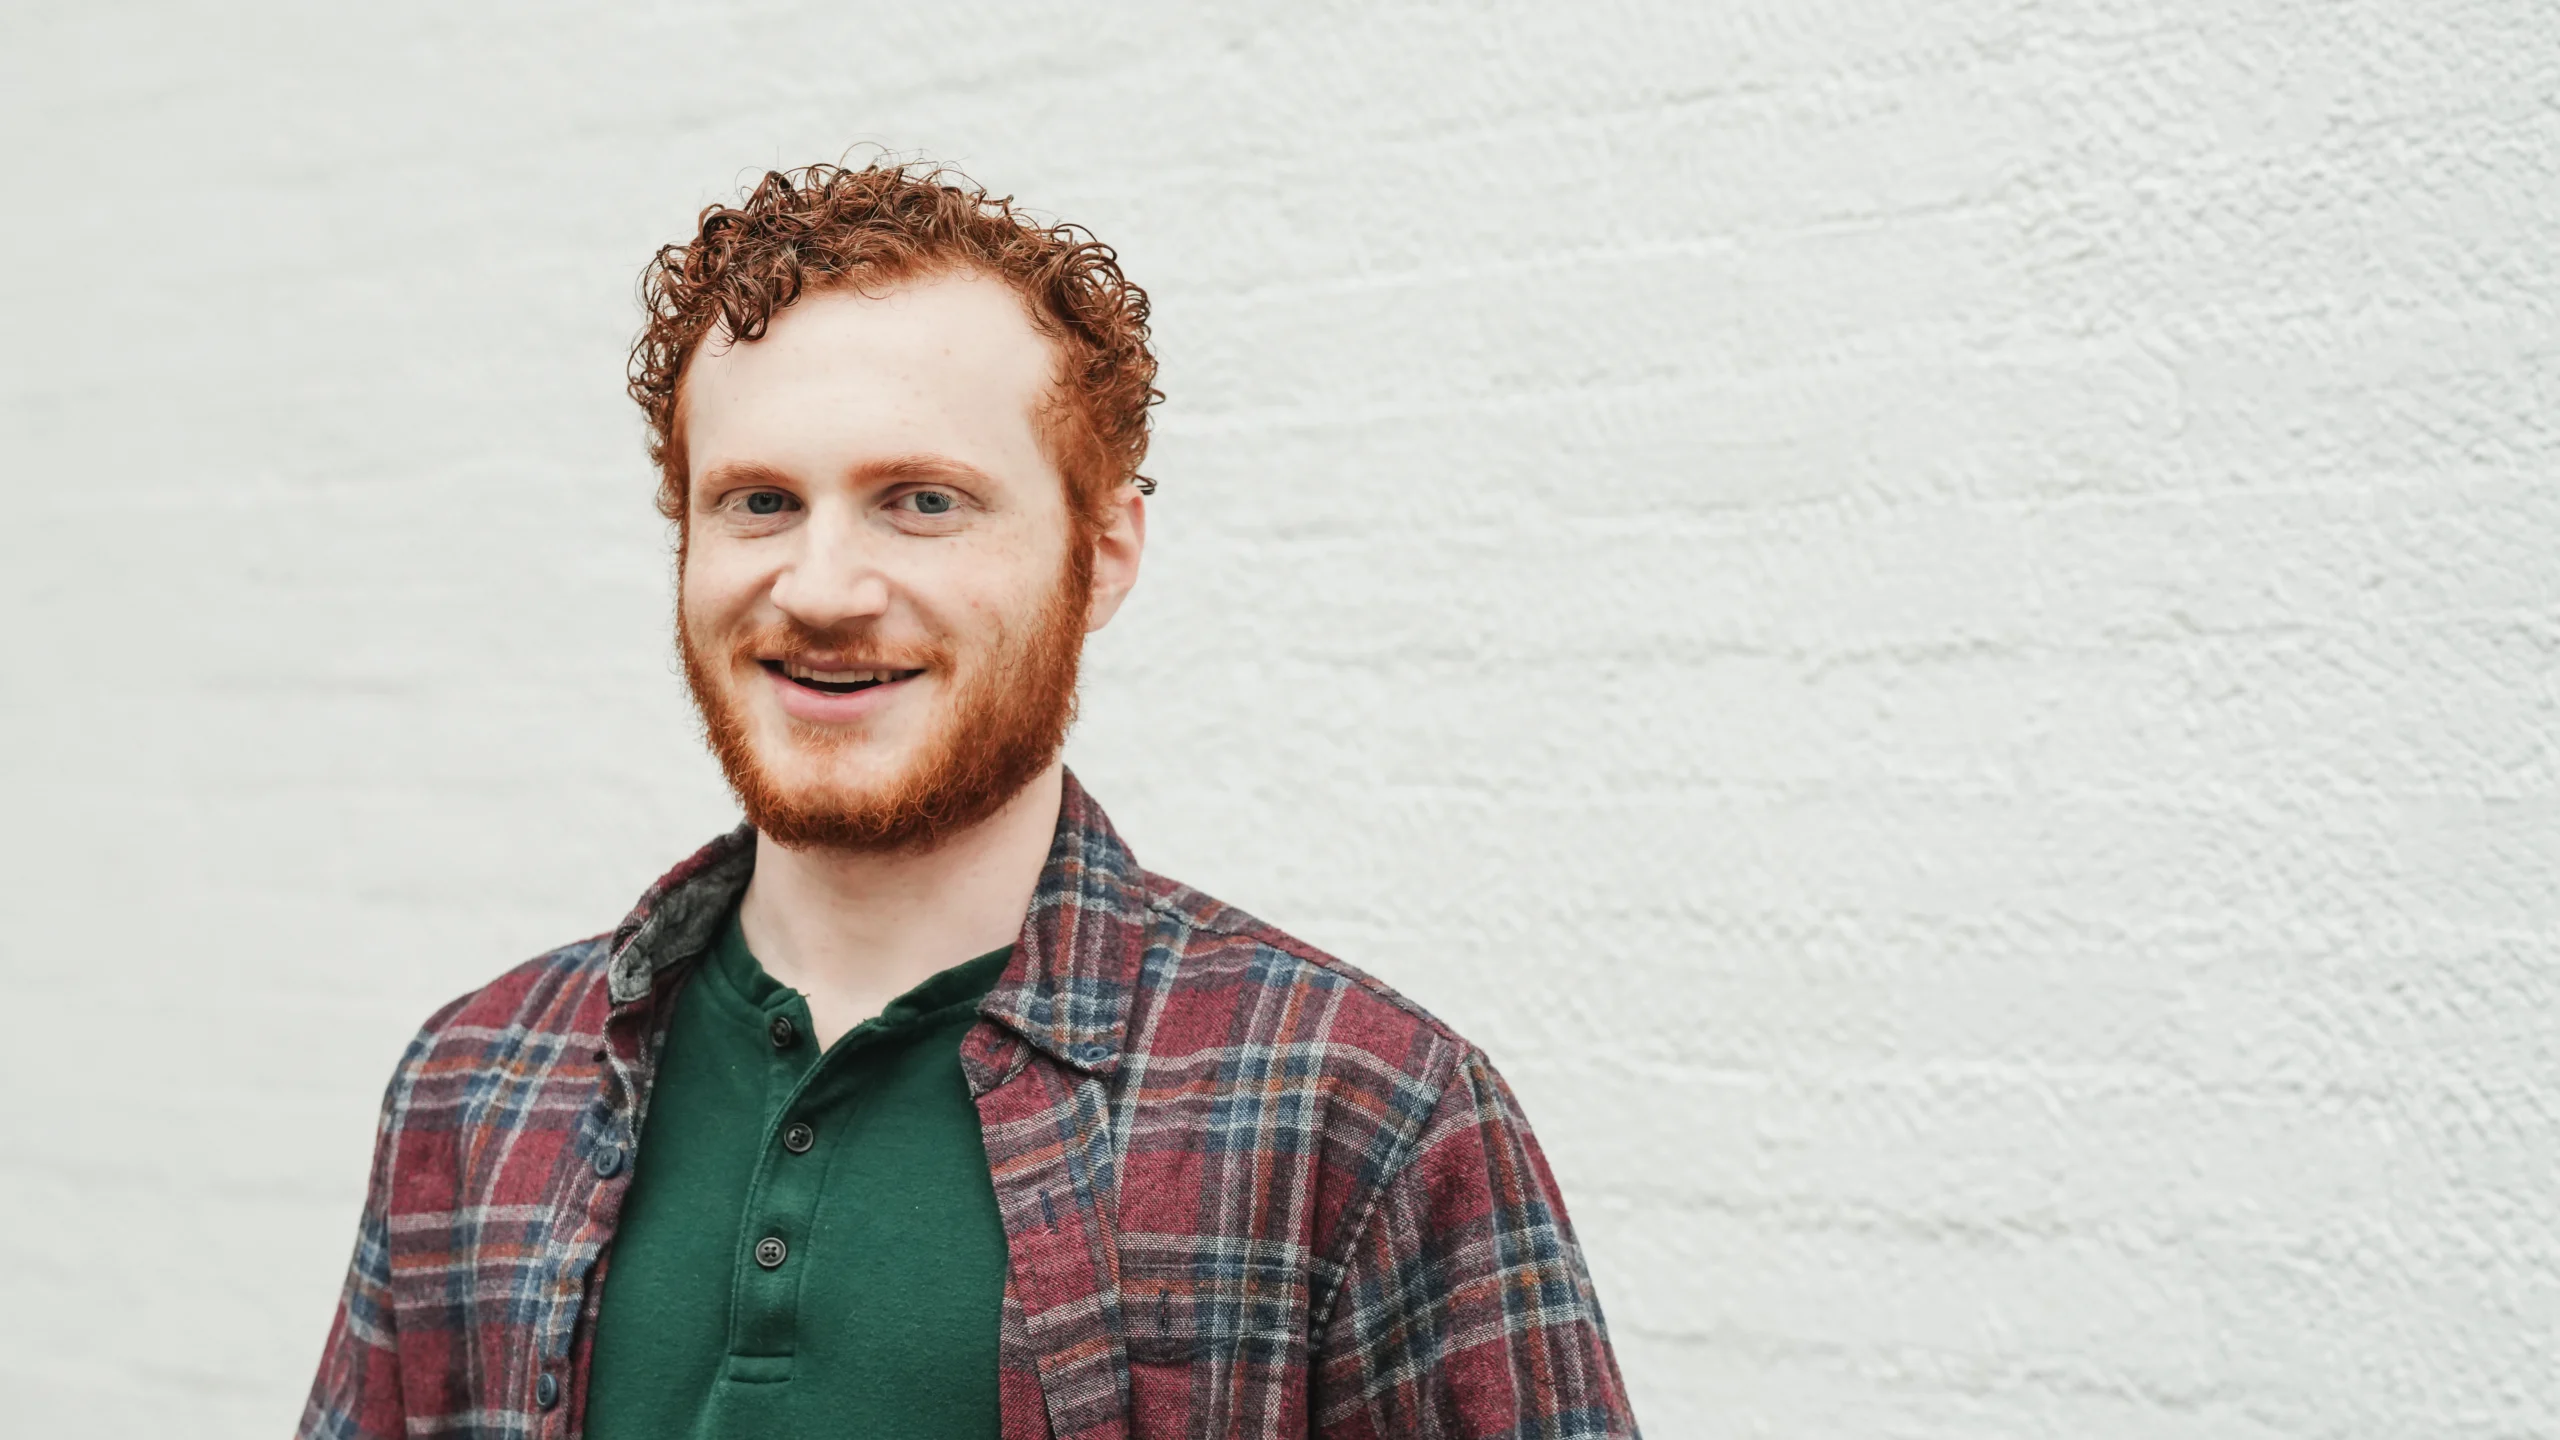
x=846, y=647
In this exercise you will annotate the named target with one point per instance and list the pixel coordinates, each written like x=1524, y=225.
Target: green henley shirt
x=810, y=1246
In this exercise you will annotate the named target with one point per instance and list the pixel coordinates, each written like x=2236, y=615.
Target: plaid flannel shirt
x=1246, y=1189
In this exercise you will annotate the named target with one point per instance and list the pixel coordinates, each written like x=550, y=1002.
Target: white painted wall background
x=1937, y=622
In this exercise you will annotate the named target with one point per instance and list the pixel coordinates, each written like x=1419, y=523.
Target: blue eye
x=932, y=502
x=767, y=502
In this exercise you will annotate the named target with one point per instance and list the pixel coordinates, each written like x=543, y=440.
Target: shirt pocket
x=1206, y=1300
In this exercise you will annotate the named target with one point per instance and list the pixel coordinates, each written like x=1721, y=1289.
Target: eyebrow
x=921, y=467
x=741, y=472
x=895, y=467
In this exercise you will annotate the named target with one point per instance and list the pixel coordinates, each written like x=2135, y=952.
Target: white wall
x=1936, y=622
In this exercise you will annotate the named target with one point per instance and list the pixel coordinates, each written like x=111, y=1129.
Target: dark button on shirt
x=848, y=1280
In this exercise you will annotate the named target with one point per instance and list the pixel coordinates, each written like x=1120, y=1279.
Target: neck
x=854, y=930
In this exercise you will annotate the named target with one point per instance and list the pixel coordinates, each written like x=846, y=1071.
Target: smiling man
x=915, y=1106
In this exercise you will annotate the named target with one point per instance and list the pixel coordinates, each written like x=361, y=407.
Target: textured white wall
x=1937, y=622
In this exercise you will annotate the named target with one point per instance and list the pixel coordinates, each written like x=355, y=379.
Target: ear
x=1115, y=555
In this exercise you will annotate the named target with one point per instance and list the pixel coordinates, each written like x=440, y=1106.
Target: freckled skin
x=947, y=368
x=871, y=469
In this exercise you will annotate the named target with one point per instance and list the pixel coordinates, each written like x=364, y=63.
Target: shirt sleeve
x=356, y=1395
x=1464, y=1308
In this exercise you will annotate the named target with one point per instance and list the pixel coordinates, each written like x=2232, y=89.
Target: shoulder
x=536, y=1011
x=533, y=1000
x=1219, y=979
x=1286, y=1082
x=514, y=1057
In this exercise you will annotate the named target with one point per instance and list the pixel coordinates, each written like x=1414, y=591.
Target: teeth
x=837, y=677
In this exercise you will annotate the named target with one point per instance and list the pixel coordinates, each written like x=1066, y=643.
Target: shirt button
x=798, y=1138
x=546, y=1391
x=783, y=1032
x=608, y=1161
x=770, y=1252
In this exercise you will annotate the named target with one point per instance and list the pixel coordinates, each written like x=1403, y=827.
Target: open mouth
x=835, y=682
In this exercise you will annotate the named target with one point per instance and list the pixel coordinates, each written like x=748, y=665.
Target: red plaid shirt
x=1247, y=1190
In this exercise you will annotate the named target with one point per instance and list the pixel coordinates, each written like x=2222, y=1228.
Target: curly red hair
x=828, y=226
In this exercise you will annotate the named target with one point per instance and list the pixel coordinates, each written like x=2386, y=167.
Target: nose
x=834, y=578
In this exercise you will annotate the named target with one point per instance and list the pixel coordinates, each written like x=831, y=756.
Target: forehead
x=941, y=364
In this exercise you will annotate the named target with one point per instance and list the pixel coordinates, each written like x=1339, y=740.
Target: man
x=915, y=1107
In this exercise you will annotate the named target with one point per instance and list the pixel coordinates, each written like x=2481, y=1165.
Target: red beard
x=1006, y=721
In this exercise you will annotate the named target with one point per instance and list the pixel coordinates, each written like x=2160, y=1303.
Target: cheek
x=1016, y=588
x=692, y=610
x=1003, y=618
x=965, y=594
x=712, y=589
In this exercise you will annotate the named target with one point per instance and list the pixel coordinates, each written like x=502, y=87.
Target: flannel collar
x=1066, y=990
